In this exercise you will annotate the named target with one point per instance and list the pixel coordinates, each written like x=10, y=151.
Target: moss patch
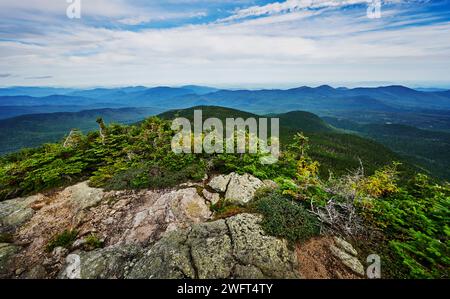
x=64, y=239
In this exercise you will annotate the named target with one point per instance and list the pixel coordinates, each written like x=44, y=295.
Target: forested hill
x=430, y=149
x=336, y=151
x=33, y=130
x=305, y=121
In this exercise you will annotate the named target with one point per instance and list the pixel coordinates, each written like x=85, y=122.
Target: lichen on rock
x=219, y=249
x=6, y=252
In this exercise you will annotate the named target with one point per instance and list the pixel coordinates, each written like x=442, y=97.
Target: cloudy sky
x=224, y=43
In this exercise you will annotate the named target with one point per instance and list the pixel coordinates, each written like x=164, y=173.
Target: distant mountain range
x=389, y=98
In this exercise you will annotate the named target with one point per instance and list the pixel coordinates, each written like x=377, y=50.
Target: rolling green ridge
x=289, y=122
x=429, y=149
x=36, y=129
x=337, y=152
x=435, y=120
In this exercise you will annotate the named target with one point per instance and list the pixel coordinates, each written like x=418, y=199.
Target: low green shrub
x=64, y=239
x=224, y=209
x=93, y=242
x=415, y=219
x=6, y=238
x=285, y=218
x=148, y=176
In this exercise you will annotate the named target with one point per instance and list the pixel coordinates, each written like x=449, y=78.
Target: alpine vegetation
x=241, y=136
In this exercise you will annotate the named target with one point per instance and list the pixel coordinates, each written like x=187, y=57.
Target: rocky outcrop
x=238, y=189
x=148, y=234
x=170, y=211
x=345, y=252
x=53, y=213
x=241, y=188
x=15, y=212
x=107, y=263
x=233, y=248
x=6, y=252
x=117, y=218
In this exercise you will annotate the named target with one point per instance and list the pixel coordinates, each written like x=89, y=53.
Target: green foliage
x=285, y=218
x=416, y=219
x=305, y=184
x=93, y=242
x=6, y=238
x=427, y=148
x=129, y=157
x=64, y=239
x=287, y=186
x=383, y=183
x=224, y=209
x=53, y=166
x=140, y=156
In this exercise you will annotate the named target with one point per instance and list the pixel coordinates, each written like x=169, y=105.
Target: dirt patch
x=317, y=262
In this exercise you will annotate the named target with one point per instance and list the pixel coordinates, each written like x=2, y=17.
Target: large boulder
x=7, y=251
x=201, y=252
x=173, y=210
x=238, y=189
x=16, y=212
x=241, y=188
x=211, y=250
x=168, y=258
x=220, y=183
x=251, y=246
x=107, y=263
x=344, y=252
x=233, y=248
x=83, y=197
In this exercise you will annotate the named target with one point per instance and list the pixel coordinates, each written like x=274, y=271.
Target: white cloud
x=140, y=19
x=289, y=6
x=303, y=46
x=120, y=11
x=105, y=8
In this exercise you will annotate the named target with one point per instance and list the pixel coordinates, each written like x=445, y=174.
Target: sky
x=224, y=43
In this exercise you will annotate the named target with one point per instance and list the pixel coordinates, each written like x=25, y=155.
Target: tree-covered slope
x=36, y=129
x=429, y=149
x=337, y=152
